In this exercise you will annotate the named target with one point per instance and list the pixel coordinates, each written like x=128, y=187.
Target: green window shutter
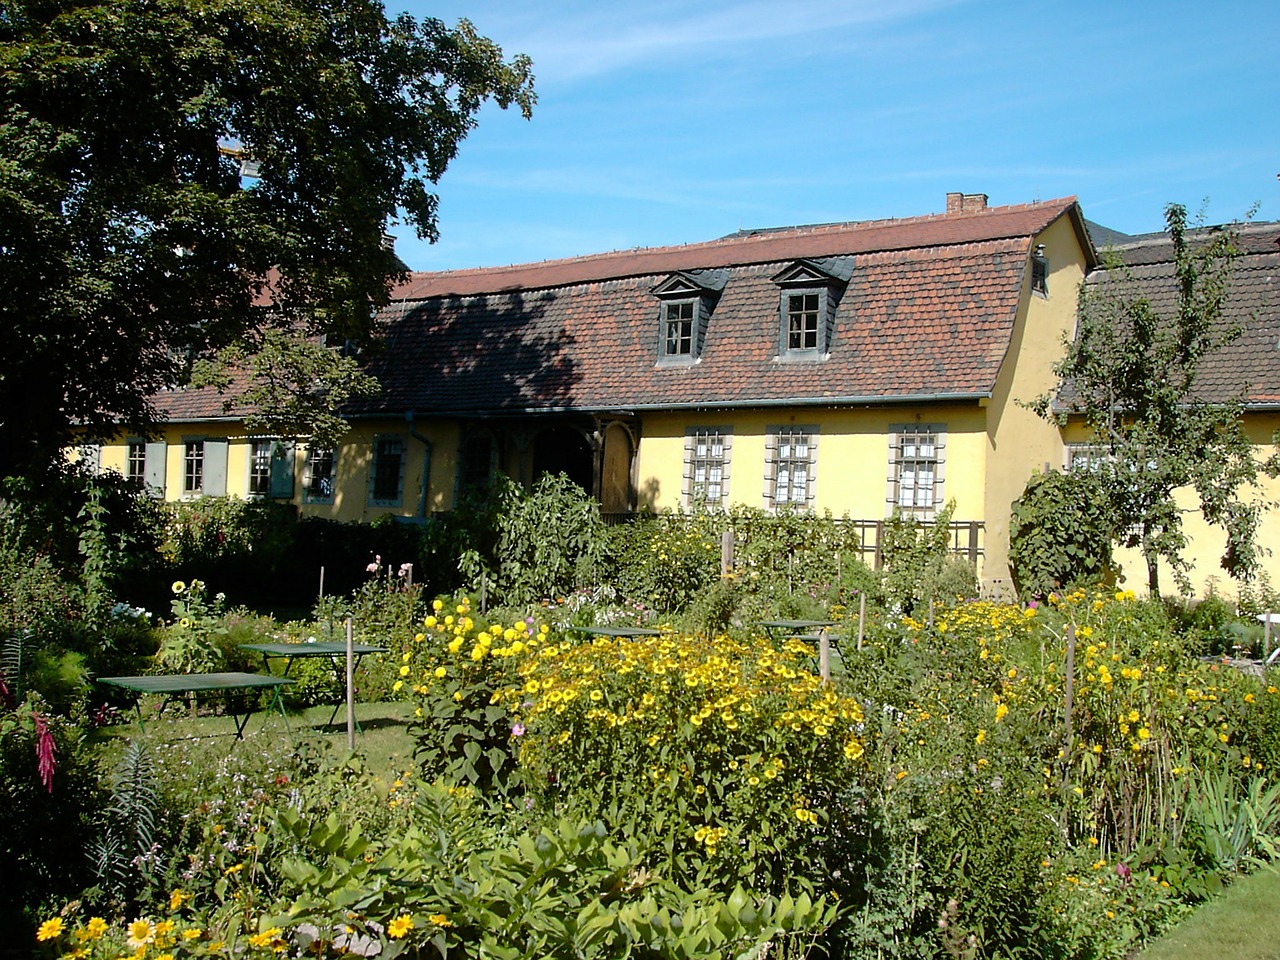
x=282, y=470
x=157, y=456
x=215, y=468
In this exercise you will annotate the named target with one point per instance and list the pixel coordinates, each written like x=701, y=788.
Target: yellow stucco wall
x=1206, y=543
x=355, y=456
x=1018, y=441
x=852, y=462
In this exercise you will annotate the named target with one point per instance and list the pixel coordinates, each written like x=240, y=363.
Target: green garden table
x=630, y=632
x=174, y=686
x=336, y=650
x=796, y=628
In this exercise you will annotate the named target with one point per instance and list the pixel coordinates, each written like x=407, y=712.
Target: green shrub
x=1060, y=534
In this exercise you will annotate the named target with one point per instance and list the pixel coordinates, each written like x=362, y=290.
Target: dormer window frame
x=810, y=291
x=685, y=300
x=680, y=332
x=1039, y=272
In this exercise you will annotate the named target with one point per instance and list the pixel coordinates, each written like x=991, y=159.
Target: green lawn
x=383, y=740
x=1242, y=924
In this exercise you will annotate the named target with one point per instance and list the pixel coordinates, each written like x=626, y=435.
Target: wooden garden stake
x=862, y=617
x=824, y=656
x=322, y=581
x=726, y=553
x=351, y=699
x=1069, y=703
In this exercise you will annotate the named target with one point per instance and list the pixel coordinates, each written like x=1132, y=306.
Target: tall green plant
x=549, y=539
x=122, y=859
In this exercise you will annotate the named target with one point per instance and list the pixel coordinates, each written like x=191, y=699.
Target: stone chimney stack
x=966, y=202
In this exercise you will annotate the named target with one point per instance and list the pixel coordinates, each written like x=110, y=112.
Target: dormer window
x=803, y=311
x=679, y=319
x=811, y=290
x=1040, y=271
x=686, y=301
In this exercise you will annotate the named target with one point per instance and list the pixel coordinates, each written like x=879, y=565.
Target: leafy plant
x=1060, y=534
x=124, y=857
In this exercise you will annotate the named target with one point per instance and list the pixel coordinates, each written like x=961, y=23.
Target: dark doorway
x=564, y=450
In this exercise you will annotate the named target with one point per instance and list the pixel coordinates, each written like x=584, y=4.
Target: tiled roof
x=928, y=313
x=1249, y=366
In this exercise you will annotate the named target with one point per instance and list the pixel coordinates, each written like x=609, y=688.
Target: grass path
x=384, y=742
x=1242, y=924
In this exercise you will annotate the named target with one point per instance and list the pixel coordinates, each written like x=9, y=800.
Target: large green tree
x=130, y=244
x=1132, y=374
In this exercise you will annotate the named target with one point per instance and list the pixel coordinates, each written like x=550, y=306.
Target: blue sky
x=676, y=122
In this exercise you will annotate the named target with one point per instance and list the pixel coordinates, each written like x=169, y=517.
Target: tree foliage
x=130, y=244
x=1060, y=533
x=1131, y=374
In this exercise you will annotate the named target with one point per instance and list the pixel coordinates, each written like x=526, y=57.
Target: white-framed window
x=706, y=465
x=679, y=328
x=791, y=469
x=136, y=460
x=318, y=474
x=260, y=453
x=192, y=467
x=386, y=472
x=916, y=461
x=802, y=313
x=146, y=461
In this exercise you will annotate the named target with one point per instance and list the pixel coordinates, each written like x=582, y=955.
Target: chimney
x=966, y=202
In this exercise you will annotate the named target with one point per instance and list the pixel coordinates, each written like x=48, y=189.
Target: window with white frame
x=803, y=312
x=792, y=455
x=679, y=326
x=260, y=453
x=386, y=473
x=706, y=465
x=193, y=467
x=136, y=460
x=916, y=460
x=318, y=474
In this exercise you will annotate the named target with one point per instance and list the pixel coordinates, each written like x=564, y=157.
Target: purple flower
x=1123, y=872
x=518, y=730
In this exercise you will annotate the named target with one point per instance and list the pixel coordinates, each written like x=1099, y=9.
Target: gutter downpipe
x=426, y=465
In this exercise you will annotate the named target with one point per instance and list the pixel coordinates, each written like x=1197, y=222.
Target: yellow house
x=856, y=368
x=1247, y=369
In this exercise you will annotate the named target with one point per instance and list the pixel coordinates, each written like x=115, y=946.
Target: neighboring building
x=852, y=367
x=1248, y=369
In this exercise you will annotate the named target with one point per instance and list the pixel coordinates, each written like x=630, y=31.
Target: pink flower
x=1123, y=872
x=45, y=763
x=518, y=730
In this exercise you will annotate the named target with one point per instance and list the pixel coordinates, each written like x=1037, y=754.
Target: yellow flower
x=437, y=605
x=400, y=926
x=404, y=671
x=1144, y=733
x=440, y=920
x=1001, y=712
x=441, y=673
x=141, y=932
x=178, y=587
x=49, y=929
x=264, y=938
x=177, y=899
x=982, y=735
x=95, y=928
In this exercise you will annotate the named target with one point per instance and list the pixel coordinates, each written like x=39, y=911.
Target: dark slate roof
x=1104, y=237
x=1250, y=366
x=927, y=313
